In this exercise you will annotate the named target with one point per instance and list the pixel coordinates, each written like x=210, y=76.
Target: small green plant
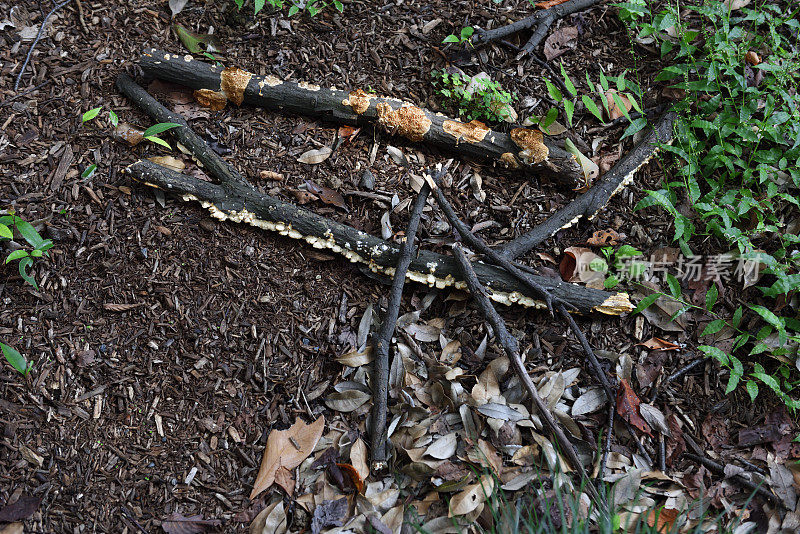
x=151, y=134
x=622, y=88
x=486, y=100
x=464, y=36
x=313, y=7
x=40, y=246
x=738, y=143
x=16, y=359
x=620, y=260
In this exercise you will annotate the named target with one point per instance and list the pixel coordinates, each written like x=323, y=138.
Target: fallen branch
x=511, y=348
x=540, y=21
x=739, y=478
x=236, y=200
x=380, y=373
x=523, y=147
x=589, y=204
x=527, y=279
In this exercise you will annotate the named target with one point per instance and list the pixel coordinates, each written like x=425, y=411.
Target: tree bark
x=521, y=148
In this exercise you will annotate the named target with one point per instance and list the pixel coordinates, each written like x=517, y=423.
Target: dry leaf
x=177, y=523
x=549, y=3
x=348, y=133
x=733, y=5
x=353, y=477
x=304, y=197
x=558, y=42
x=127, y=133
x=271, y=520
x=444, y=447
x=472, y=496
x=591, y=401
x=656, y=343
x=663, y=519
x=170, y=162
x=356, y=358
x=315, y=156
x=359, y=457
x=346, y=401
x=614, y=111
x=176, y=6
x=12, y=528
x=329, y=514
x=287, y=448
x=628, y=407
x=590, y=169
x=576, y=267
x=326, y=194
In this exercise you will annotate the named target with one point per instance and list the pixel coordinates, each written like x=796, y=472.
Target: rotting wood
x=471, y=139
x=236, y=200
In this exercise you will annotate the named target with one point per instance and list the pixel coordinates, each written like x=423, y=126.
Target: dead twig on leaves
x=589, y=204
x=515, y=269
x=676, y=375
x=511, y=348
x=380, y=373
x=540, y=21
x=37, y=39
x=739, y=478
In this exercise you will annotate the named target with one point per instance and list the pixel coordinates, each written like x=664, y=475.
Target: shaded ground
x=226, y=332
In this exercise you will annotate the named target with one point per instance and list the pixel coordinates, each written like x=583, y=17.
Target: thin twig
x=380, y=375
x=607, y=446
x=511, y=348
x=23, y=93
x=676, y=375
x=739, y=478
x=36, y=41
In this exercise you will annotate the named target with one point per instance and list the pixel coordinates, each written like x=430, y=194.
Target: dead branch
x=380, y=373
x=540, y=21
x=235, y=199
x=595, y=199
x=511, y=348
x=522, y=148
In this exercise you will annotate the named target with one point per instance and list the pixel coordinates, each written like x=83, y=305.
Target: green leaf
x=88, y=172
x=15, y=255
x=449, y=39
x=621, y=81
x=634, y=127
x=5, y=232
x=569, y=109
x=92, y=113
x=158, y=141
x=621, y=105
x=192, y=40
x=733, y=381
x=553, y=91
x=752, y=389
x=549, y=119
x=568, y=82
x=338, y=5
x=647, y=301
x=611, y=282
x=737, y=317
x=24, y=263
x=627, y=251
x=159, y=128
x=769, y=317
x=674, y=286
x=113, y=118
x=258, y=5
x=714, y=352
x=713, y=327
x=16, y=359
x=295, y=9
x=592, y=107
x=466, y=32
x=711, y=296
x=603, y=81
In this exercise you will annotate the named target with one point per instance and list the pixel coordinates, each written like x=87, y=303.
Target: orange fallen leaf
x=287, y=449
x=549, y=3
x=614, y=111
x=352, y=474
x=628, y=407
x=659, y=344
x=662, y=519
x=348, y=133
x=326, y=194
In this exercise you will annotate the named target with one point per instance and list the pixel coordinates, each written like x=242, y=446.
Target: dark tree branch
x=591, y=202
x=36, y=41
x=540, y=21
x=358, y=107
x=380, y=373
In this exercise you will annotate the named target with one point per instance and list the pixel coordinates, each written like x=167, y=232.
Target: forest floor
x=165, y=345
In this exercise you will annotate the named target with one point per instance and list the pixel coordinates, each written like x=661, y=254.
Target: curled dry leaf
x=315, y=156
x=628, y=407
x=472, y=496
x=590, y=169
x=272, y=175
x=127, y=133
x=287, y=449
x=656, y=343
x=576, y=266
x=348, y=133
x=663, y=519
x=304, y=197
x=397, y=155
x=359, y=458
x=271, y=520
x=356, y=358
